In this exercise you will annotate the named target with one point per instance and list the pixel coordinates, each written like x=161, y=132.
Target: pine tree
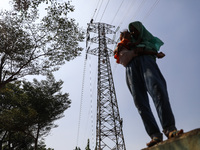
x=88, y=145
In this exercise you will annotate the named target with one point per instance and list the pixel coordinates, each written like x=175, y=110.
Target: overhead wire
x=81, y=101
x=117, y=29
x=90, y=123
x=83, y=80
x=91, y=106
x=117, y=11
x=95, y=9
x=91, y=96
x=114, y=36
x=104, y=10
x=151, y=10
x=93, y=18
x=138, y=9
x=98, y=9
x=119, y=25
x=126, y=12
x=135, y=15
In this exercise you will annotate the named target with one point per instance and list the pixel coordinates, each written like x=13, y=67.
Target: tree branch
x=1, y=67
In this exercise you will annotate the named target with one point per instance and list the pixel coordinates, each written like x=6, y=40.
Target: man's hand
x=160, y=55
x=116, y=50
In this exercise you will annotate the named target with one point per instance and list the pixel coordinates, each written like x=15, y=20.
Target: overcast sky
x=176, y=23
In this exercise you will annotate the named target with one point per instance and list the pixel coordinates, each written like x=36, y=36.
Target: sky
x=176, y=23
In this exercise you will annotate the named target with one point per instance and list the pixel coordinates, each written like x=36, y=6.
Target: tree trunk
x=9, y=138
x=0, y=144
x=37, y=136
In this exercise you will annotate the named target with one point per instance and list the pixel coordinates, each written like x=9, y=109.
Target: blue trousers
x=142, y=76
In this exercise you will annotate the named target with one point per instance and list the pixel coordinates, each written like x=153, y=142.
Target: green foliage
x=88, y=145
x=28, y=111
x=24, y=5
x=33, y=43
x=77, y=148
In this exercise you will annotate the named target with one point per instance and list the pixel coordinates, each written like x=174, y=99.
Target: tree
x=32, y=44
x=48, y=101
x=14, y=117
x=77, y=148
x=88, y=145
x=28, y=111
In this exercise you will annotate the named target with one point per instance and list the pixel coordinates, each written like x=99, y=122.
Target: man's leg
x=135, y=82
x=157, y=88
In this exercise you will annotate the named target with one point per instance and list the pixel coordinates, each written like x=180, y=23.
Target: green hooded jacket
x=148, y=40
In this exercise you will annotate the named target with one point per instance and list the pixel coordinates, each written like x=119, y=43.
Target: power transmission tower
x=109, y=135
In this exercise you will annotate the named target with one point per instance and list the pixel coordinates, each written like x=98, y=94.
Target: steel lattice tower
x=109, y=135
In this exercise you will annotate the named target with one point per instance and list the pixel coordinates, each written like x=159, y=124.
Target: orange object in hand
x=116, y=56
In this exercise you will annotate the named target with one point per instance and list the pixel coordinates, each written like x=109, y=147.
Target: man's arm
x=142, y=51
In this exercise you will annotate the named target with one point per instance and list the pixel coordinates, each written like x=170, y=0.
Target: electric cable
x=104, y=10
x=90, y=119
x=117, y=11
x=138, y=9
x=151, y=10
x=98, y=10
x=127, y=11
x=81, y=102
x=91, y=104
x=95, y=9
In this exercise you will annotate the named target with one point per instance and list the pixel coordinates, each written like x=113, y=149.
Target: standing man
x=143, y=75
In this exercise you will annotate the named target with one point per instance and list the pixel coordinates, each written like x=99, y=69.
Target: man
x=143, y=75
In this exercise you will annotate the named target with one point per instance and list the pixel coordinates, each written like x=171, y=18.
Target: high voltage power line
x=104, y=10
x=151, y=10
x=81, y=101
x=117, y=11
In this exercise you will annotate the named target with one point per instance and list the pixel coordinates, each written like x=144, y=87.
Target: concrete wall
x=187, y=141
